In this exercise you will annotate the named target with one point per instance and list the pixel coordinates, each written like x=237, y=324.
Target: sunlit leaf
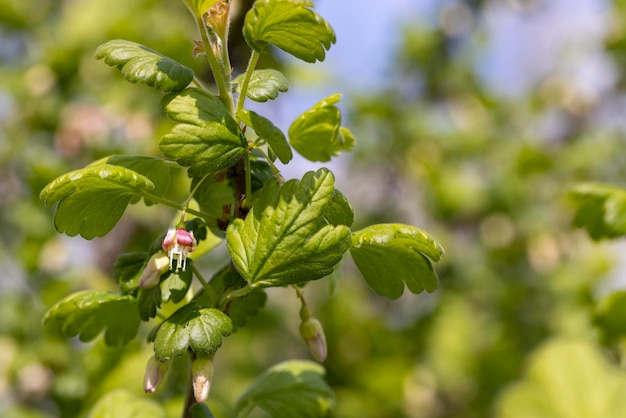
x=285, y=238
x=140, y=64
x=339, y=211
x=317, y=134
x=292, y=26
x=124, y=404
x=93, y=199
x=566, y=379
x=293, y=389
x=200, y=7
x=191, y=327
x=600, y=209
x=266, y=130
x=90, y=312
x=390, y=255
x=206, y=138
x=264, y=84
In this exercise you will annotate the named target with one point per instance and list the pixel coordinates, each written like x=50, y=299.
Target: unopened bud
x=155, y=373
x=202, y=371
x=312, y=333
x=158, y=264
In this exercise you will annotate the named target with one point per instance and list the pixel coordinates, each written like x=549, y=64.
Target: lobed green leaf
x=93, y=199
x=90, y=312
x=317, y=134
x=264, y=84
x=285, y=238
x=600, y=209
x=140, y=64
x=290, y=25
x=389, y=255
x=293, y=389
x=200, y=7
x=207, y=138
x=267, y=131
x=191, y=327
x=247, y=307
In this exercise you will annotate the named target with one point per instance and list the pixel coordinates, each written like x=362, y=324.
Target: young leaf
x=140, y=64
x=201, y=410
x=291, y=25
x=191, y=327
x=558, y=384
x=124, y=404
x=206, y=138
x=600, y=209
x=388, y=255
x=200, y=7
x=290, y=389
x=266, y=130
x=285, y=238
x=89, y=312
x=317, y=134
x=93, y=199
x=264, y=84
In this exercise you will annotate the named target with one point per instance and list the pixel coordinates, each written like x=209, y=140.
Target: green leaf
x=566, y=379
x=206, y=138
x=291, y=26
x=388, y=255
x=124, y=404
x=89, y=312
x=128, y=268
x=317, y=134
x=600, y=209
x=174, y=285
x=200, y=7
x=610, y=317
x=285, y=238
x=148, y=301
x=247, y=307
x=191, y=327
x=266, y=130
x=292, y=389
x=93, y=199
x=155, y=169
x=140, y=64
x=264, y=84
x=339, y=211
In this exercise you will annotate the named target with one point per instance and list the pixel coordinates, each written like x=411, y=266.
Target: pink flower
x=312, y=333
x=156, y=266
x=202, y=373
x=178, y=243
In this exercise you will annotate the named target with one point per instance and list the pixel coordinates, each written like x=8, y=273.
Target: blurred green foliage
x=436, y=147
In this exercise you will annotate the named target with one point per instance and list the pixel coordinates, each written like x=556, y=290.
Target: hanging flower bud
x=202, y=371
x=156, y=266
x=178, y=243
x=155, y=372
x=312, y=333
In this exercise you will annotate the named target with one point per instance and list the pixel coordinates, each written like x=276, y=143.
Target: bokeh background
x=472, y=118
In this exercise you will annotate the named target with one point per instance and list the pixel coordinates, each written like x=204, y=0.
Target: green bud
x=312, y=333
x=202, y=373
x=158, y=264
x=155, y=373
